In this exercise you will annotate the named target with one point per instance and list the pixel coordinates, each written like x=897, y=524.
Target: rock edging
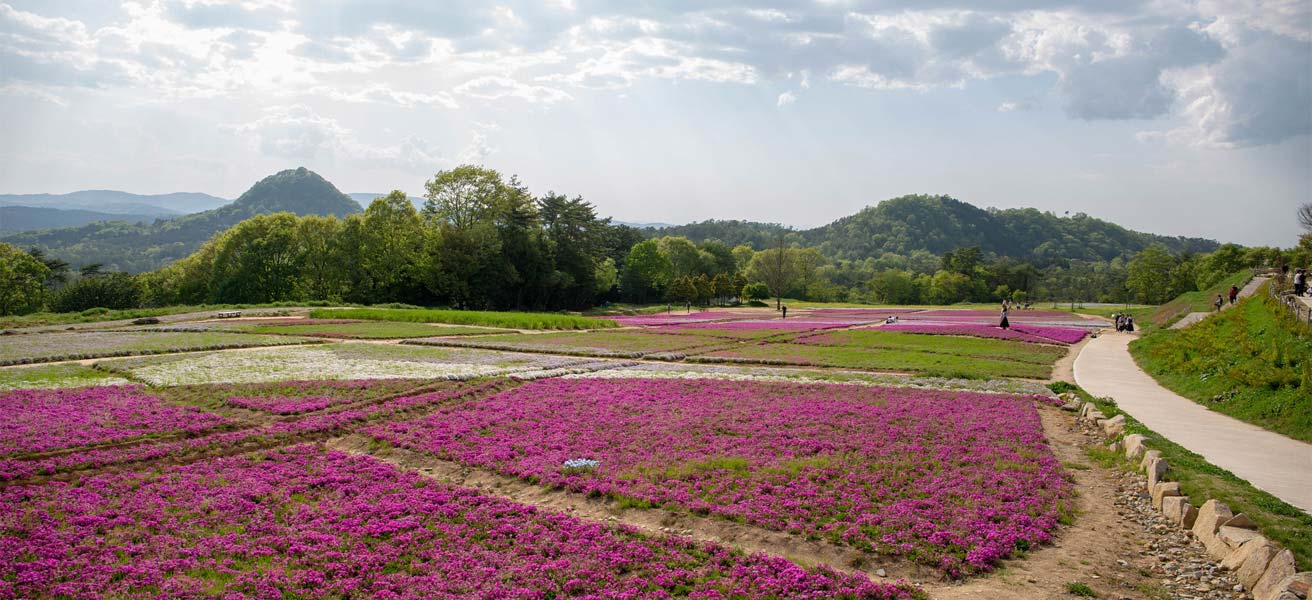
x=1263, y=566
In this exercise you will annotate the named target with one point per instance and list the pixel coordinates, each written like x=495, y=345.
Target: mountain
x=115, y=202
x=14, y=219
x=142, y=247
x=938, y=224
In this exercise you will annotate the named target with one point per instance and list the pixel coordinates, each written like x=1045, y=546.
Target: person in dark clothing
x=785, y=307
x=1004, y=324
x=1234, y=294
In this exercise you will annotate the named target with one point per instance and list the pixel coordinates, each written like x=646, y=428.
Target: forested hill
x=938, y=224
x=146, y=246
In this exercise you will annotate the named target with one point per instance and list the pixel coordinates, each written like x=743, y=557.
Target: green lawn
x=982, y=348
x=1201, y=480
x=55, y=376
x=98, y=315
x=370, y=330
x=942, y=364
x=1252, y=363
x=626, y=343
x=508, y=320
x=49, y=347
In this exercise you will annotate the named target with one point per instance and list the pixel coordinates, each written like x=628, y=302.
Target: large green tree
x=22, y=281
x=1149, y=275
x=647, y=271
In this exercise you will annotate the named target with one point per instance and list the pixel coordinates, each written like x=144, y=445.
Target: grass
x=629, y=343
x=509, y=320
x=1200, y=301
x=97, y=315
x=49, y=347
x=370, y=330
x=1251, y=362
x=986, y=348
x=1076, y=588
x=55, y=376
x=1201, y=480
x=1002, y=359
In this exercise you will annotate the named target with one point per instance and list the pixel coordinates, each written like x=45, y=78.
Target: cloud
x=1110, y=60
x=298, y=132
x=1014, y=105
x=785, y=99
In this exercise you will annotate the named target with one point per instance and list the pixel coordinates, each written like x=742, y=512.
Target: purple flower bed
x=673, y=319
x=1023, y=333
x=780, y=324
x=279, y=432
x=44, y=420
x=957, y=480
x=306, y=523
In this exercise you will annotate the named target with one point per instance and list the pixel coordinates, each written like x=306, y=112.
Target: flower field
x=302, y=522
x=376, y=330
x=956, y=480
x=1024, y=333
x=33, y=421
x=288, y=397
x=623, y=343
x=47, y=347
x=336, y=361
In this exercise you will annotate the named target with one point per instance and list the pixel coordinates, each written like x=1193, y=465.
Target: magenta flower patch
x=44, y=420
x=957, y=480
x=1024, y=333
x=306, y=523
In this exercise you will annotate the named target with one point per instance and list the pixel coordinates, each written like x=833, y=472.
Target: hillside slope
x=141, y=247
x=14, y=219
x=938, y=224
x=116, y=202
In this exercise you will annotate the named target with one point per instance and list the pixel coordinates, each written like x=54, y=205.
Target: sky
x=1179, y=117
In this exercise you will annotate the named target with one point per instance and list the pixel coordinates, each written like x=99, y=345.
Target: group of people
x=1234, y=297
x=1123, y=322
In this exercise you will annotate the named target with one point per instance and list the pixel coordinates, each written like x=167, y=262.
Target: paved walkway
x=1270, y=461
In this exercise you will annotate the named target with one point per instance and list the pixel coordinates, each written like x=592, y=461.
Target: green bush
x=111, y=291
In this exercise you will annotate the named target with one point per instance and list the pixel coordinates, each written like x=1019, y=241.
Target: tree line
x=482, y=241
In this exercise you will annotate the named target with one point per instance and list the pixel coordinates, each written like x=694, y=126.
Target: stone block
x=1155, y=471
x=1252, y=559
x=1280, y=567
x=1236, y=559
x=1241, y=521
x=1134, y=445
x=1210, y=517
x=1143, y=464
x=1236, y=536
x=1173, y=508
x=1163, y=489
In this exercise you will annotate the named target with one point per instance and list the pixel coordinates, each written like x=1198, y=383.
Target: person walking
x=1234, y=294
x=1004, y=324
x=1219, y=302
x=1300, y=282
x=785, y=307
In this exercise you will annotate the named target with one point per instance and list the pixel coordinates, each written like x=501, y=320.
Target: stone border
x=1265, y=568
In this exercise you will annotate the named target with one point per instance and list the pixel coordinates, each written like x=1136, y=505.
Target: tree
x=684, y=256
x=1149, y=277
x=58, y=268
x=776, y=268
x=104, y=290
x=463, y=196
x=22, y=281
x=391, y=239
x=723, y=285
x=756, y=291
x=646, y=271
x=323, y=262
x=895, y=287
x=255, y=261
x=682, y=289
x=1305, y=216
x=948, y=287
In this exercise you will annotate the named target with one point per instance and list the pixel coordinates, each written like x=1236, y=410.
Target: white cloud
x=298, y=132
x=785, y=99
x=494, y=88
x=1014, y=105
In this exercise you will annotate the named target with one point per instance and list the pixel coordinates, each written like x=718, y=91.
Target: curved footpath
x=1270, y=461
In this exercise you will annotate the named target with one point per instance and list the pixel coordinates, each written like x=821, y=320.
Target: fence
x=1301, y=310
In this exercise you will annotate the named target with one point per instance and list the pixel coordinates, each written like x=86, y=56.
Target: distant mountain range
x=151, y=237
x=119, y=203
x=127, y=246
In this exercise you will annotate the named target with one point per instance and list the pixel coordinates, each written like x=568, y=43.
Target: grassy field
x=55, y=376
x=49, y=347
x=509, y=320
x=627, y=343
x=1252, y=363
x=100, y=315
x=1201, y=480
x=887, y=351
x=1200, y=301
x=370, y=330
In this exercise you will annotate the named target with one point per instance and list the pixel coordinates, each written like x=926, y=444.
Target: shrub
x=108, y=291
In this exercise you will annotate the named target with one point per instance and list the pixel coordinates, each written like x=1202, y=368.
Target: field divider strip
x=748, y=538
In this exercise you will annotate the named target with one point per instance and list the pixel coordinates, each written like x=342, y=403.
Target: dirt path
x=1270, y=461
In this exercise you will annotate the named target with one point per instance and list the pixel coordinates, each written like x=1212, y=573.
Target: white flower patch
x=300, y=363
